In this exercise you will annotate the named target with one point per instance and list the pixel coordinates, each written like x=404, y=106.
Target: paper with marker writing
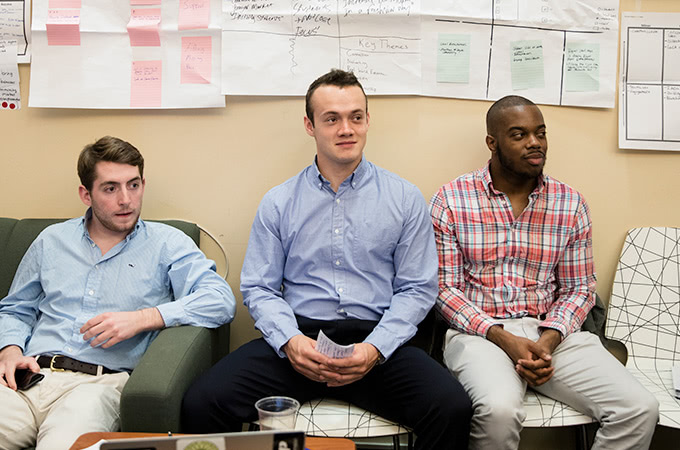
x=194, y=14
x=453, y=58
x=582, y=67
x=64, y=4
x=15, y=25
x=10, y=94
x=143, y=27
x=329, y=348
x=145, y=89
x=196, y=60
x=527, y=65
x=676, y=380
x=63, y=27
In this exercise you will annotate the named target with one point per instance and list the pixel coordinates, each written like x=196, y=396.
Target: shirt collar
x=140, y=225
x=354, y=179
x=485, y=173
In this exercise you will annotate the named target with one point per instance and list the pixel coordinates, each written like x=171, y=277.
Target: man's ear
x=491, y=143
x=84, y=195
x=309, y=126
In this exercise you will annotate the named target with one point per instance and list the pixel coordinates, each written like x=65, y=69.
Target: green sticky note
x=526, y=65
x=582, y=67
x=453, y=58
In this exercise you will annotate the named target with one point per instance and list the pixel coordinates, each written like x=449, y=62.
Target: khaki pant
x=587, y=378
x=52, y=414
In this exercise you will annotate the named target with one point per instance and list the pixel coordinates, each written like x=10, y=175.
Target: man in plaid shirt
x=516, y=281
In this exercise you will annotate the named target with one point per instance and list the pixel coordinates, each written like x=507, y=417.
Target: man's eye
x=331, y=120
x=108, y=189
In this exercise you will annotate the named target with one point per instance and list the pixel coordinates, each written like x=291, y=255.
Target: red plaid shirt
x=493, y=266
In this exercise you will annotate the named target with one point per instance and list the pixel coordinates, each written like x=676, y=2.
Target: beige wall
x=213, y=166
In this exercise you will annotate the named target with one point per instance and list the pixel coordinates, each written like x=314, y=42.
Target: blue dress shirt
x=366, y=252
x=63, y=281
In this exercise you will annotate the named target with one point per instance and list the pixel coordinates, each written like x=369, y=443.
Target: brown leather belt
x=59, y=363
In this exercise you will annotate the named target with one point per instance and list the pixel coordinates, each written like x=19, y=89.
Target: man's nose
x=346, y=128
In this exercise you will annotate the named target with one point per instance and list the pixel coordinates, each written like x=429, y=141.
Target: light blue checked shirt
x=366, y=252
x=63, y=281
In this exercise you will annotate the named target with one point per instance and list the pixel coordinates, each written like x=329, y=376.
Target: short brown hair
x=335, y=77
x=109, y=149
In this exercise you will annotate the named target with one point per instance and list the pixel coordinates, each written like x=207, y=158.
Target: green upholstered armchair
x=152, y=397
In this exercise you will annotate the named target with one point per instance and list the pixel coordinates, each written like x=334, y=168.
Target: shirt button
x=91, y=292
x=341, y=311
x=68, y=349
x=336, y=231
x=337, y=262
x=93, y=244
x=340, y=290
x=337, y=200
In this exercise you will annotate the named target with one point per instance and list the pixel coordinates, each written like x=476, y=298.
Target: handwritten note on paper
x=526, y=65
x=145, y=90
x=10, y=95
x=12, y=24
x=57, y=4
x=582, y=67
x=329, y=348
x=194, y=14
x=453, y=58
x=143, y=27
x=196, y=62
x=63, y=27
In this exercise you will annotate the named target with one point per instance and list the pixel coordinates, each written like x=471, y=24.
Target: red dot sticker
x=12, y=106
x=4, y=104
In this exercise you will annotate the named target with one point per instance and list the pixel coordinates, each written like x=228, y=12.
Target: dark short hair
x=493, y=115
x=109, y=149
x=335, y=77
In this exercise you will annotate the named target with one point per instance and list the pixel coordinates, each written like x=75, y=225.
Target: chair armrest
x=152, y=398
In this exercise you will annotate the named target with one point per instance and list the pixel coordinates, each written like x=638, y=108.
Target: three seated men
x=346, y=248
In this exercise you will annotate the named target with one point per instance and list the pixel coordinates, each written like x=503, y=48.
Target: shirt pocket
x=374, y=245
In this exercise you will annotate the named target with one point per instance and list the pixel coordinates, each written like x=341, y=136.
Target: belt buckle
x=55, y=369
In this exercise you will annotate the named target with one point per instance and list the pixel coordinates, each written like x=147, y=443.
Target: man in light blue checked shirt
x=92, y=291
x=346, y=248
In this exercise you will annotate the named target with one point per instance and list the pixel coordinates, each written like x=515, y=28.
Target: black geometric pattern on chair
x=542, y=411
x=644, y=312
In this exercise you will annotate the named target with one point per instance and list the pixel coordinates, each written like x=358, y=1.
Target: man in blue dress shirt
x=86, y=302
x=348, y=248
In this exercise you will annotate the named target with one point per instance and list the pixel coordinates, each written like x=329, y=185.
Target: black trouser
x=410, y=388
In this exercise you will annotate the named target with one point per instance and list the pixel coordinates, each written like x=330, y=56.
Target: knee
x=645, y=407
x=501, y=414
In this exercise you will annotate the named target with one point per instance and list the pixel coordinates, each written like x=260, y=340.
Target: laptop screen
x=256, y=440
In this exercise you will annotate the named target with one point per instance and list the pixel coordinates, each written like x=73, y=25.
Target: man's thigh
x=225, y=396
x=88, y=403
x=588, y=378
x=406, y=388
x=486, y=372
x=18, y=427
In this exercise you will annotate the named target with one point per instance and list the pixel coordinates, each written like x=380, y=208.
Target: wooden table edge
x=313, y=443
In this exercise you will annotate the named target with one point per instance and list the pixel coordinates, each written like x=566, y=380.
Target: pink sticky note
x=64, y=4
x=143, y=27
x=196, y=62
x=63, y=27
x=194, y=14
x=145, y=89
x=145, y=2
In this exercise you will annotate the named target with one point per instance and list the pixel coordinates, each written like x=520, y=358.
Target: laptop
x=253, y=440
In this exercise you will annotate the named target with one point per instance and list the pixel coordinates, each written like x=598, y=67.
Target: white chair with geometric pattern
x=326, y=417
x=644, y=312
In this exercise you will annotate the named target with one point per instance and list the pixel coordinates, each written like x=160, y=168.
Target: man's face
x=521, y=144
x=115, y=197
x=340, y=125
